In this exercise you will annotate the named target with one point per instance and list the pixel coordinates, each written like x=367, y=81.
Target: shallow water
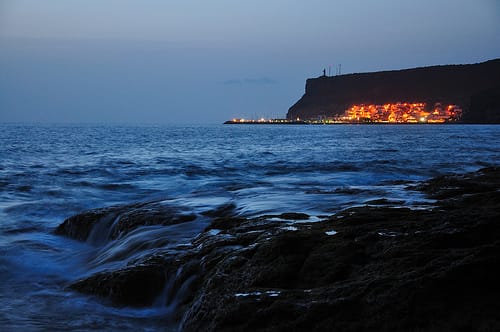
x=50, y=172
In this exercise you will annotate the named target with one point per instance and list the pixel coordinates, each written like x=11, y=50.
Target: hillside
x=473, y=87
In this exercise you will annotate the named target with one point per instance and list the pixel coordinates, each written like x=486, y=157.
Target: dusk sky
x=152, y=61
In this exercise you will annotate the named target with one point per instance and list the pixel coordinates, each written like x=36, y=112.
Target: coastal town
x=390, y=113
x=402, y=113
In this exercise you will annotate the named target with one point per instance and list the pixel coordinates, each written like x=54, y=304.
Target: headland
x=437, y=94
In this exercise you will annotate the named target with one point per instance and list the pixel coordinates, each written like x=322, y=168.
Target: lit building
x=401, y=113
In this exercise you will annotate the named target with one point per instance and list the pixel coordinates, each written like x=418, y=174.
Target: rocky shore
x=370, y=268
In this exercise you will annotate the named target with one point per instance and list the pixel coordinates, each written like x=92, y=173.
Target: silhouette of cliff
x=474, y=87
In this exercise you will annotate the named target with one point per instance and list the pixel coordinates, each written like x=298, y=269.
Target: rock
x=225, y=222
x=449, y=186
x=79, y=226
x=148, y=215
x=137, y=285
x=384, y=201
x=294, y=216
x=117, y=221
x=384, y=269
x=367, y=268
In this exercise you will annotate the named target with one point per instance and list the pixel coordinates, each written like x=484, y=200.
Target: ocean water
x=50, y=172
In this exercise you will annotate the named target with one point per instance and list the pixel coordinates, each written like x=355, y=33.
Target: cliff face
x=475, y=88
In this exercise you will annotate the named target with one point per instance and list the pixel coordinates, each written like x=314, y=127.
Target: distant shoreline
x=318, y=123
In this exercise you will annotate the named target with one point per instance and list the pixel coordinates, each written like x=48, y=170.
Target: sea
x=49, y=172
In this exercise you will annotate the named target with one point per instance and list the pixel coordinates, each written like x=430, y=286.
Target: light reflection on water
x=48, y=173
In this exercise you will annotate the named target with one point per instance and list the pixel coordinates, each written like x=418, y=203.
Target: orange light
x=401, y=112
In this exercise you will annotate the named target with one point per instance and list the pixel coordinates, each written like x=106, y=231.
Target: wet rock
x=117, y=221
x=385, y=268
x=384, y=201
x=226, y=222
x=367, y=268
x=137, y=285
x=294, y=216
x=456, y=185
x=148, y=216
x=79, y=226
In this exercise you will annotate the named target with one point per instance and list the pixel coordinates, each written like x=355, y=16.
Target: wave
x=198, y=173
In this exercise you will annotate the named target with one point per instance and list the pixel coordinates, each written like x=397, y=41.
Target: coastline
x=372, y=267
x=317, y=123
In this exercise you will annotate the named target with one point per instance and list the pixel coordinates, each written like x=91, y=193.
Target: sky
x=198, y=61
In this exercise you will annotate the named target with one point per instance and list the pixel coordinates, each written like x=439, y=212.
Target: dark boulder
x=117, y=221
x=79, y=226
x=137, y=285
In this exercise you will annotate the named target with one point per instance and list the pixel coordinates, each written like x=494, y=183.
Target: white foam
x=247, y=294
x=302, y=221
x=214, y=231
x=271, y=293
x=389, y=234
x=311, y=219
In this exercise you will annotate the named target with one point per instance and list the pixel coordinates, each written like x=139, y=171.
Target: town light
x=402, y=112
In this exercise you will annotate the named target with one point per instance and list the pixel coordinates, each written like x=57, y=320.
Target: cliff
x=474, y=87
